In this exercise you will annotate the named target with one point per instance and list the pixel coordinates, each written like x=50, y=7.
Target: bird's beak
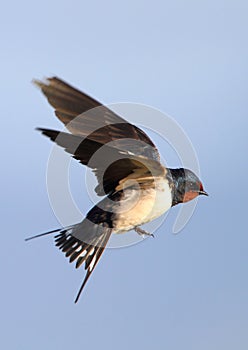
x=203, y=192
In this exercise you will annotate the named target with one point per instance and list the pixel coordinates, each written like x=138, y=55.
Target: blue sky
x=187, y=59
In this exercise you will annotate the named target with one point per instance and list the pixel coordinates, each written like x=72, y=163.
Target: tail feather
x=83, y=243
x=43, y=234
x=73, y=248
x=86, y=252
x=97, y=254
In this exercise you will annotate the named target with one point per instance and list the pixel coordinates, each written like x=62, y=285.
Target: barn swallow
x=136, y=187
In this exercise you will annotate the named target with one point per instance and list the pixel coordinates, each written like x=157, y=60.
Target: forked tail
x=83, y=243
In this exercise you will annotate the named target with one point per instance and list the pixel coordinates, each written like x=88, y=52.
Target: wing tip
x=42, y=130
x=38, y=83
x=45, y=82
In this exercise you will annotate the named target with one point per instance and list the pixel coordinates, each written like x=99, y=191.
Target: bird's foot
x=142, y=232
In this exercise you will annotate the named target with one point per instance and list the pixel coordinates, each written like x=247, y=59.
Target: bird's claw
x=142, y=232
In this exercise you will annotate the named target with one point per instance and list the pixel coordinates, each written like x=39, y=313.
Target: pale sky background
x=187, y=291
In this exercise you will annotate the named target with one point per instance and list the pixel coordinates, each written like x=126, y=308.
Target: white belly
x=140, y=207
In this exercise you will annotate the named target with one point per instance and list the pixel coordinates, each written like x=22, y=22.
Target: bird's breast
x=141, y=206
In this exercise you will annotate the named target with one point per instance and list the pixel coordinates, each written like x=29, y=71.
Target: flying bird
x=135, y=186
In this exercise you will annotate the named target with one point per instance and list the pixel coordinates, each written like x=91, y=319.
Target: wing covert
x=86, y=117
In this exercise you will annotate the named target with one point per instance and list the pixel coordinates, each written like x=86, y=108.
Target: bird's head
x=186, y=186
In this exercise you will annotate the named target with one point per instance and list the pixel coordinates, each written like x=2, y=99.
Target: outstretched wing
x=113, y=167
x=86, y=117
